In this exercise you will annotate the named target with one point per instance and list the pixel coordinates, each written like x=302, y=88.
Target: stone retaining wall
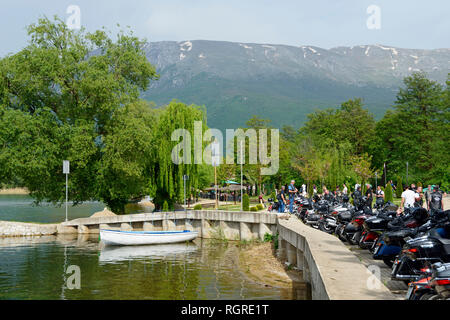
x=17, y=229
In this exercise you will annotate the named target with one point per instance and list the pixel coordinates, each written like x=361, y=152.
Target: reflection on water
x=34, y=268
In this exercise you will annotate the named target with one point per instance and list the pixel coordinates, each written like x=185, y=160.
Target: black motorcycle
x=421, y=252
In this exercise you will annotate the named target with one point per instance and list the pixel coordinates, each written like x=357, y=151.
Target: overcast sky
x=323, y=23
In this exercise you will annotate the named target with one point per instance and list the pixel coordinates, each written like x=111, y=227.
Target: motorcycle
x=423, y=251
x=374, y=226
x=390, y=243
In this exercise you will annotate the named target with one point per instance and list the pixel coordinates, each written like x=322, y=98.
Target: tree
x=417, y=131
x=245, y=202
x=73, y=95
x=125, y=165
x=167, y=176
x=351, y=123
x=388, y=196
x=399, y=187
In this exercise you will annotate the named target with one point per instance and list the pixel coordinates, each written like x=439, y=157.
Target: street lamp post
x=185, y=177
x=376, y=176
x=215, y=157
x=66, y=170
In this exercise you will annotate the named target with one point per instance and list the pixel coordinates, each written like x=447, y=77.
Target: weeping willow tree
x=167, y=175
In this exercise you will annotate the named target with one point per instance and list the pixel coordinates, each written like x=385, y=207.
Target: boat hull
x=130, y=238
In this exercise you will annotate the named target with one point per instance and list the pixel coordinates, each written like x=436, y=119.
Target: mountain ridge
x=235, y=80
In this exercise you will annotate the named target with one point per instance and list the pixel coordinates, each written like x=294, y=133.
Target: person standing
x=357, y=197
x=436, y=202
x=379, y=193
x=344, y=190
x=419, y=197
x=393, y=185
x=292, y=191
x=281, y=200
x=369, y=195
x=304, y=190
x=408, y=198
x=428, y=196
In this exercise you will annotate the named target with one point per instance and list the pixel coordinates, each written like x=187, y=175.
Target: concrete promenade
x=333, y=271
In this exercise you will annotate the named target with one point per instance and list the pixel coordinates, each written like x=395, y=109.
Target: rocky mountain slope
x=283, y=83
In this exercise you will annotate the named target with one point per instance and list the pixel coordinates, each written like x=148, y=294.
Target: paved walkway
x=398, y=288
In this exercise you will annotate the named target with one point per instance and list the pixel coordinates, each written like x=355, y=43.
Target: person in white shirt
x=304, y=190
x=408, y=198
x=380, y=193
x=344, y=190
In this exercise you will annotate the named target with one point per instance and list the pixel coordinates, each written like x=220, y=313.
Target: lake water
x=21, y=208
x=36, y=267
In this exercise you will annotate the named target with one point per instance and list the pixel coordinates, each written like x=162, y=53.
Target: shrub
x=165, y=207
x=268, y=237
x=399, y=190
x=198, y=207
x=419, y=184
x=245, y=202
x=388, y=195
x=259, y=206
x=253, y=209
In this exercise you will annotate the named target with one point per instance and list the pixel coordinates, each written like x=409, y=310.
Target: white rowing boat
x=129, y=238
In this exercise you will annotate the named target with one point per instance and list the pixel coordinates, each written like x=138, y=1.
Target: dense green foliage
x=388, y=194
x=73, y=95
x=399, y=187
x=347, y=145
x=417, y=131
x=245, y=202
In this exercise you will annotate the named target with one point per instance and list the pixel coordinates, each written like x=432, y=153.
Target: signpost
x=242, y=206
x=215, y=159
x=66, y=171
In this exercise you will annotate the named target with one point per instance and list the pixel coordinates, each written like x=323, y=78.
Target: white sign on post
x=66, y=167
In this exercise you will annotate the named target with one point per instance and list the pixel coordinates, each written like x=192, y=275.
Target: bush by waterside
x=245, y=202
x=165, y=207
x=259, y=206
x=198, y=207
x=254, y=209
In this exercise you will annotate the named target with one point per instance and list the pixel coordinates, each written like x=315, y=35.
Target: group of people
x=282, y=196
x=412, y=196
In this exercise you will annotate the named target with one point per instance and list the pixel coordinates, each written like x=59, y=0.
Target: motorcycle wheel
x=362, y=245
x=339, y=234
x=426, y=296
x=356, y=238
x=324, y=228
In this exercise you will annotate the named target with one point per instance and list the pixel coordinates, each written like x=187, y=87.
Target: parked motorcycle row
x=415, y=244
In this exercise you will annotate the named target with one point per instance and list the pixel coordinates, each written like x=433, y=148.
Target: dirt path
x=260, y=265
